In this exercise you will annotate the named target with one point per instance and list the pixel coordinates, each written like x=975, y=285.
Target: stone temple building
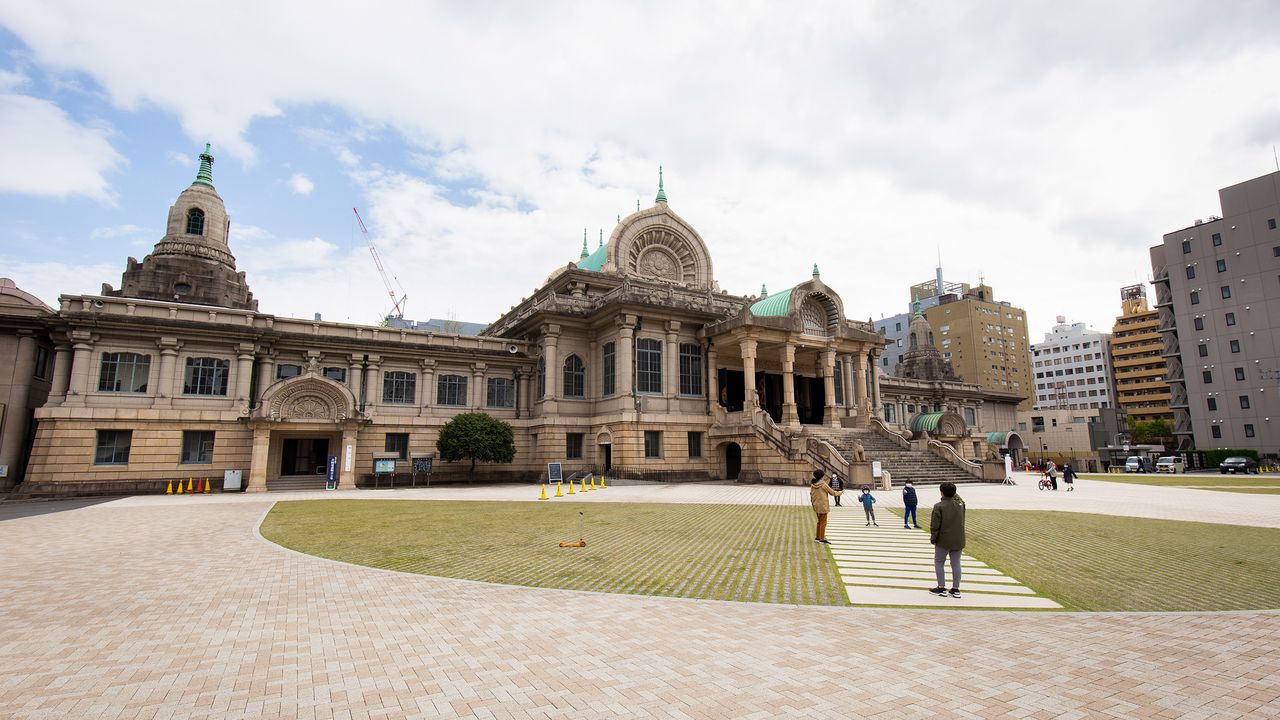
x=631, y=359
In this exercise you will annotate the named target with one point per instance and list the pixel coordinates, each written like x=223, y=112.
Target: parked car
x=1171, y=464
x=1135, y=464
x=1238, y=465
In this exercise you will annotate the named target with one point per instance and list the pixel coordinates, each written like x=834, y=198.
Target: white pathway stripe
x=891, y=565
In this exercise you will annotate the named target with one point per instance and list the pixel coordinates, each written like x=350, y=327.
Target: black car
x=1238, y=465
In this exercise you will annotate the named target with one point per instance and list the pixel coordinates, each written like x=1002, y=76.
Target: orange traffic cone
x=200, y=486
x=168, y=490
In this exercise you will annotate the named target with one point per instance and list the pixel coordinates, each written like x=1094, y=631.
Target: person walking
x=909, y=502
x=868, y=505
x=946, y=532
x=1052, y=471
x=818, y=492
x=1069, y=477
x=838, y=485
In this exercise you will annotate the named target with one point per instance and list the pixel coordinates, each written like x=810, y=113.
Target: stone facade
x=26, y=359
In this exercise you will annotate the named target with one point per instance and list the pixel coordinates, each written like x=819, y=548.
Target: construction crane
x=397, y=304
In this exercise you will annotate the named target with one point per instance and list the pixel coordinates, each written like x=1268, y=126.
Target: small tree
x=476, y=436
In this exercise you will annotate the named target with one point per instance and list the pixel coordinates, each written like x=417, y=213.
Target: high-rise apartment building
x=1218, y=298
x=985, y=340
x=894, y=328
x=1072, y=368
x=1137, y=357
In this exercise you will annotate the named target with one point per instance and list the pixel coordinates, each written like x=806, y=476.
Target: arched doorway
x=732, y=461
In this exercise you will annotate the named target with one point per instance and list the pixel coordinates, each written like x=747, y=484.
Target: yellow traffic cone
x=179, y=486
x=207, y=483
x=593, y=482
x=601, y=482
x=188, y=484
x=544, y=492
x=584, y=484
x=558, y=488
x=168, y=490
x=571, y=484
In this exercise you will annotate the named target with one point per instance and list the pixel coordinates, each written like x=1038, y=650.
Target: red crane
x=397, y=305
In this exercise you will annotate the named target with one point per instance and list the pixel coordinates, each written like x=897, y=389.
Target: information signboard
x=384, y=466
x=422, y=464
x=554, y=473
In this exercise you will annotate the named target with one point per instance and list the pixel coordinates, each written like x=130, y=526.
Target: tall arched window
x=575, y=377
x=195, y=221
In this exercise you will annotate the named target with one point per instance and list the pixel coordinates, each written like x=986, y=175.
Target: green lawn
x=1202, y=481
x=1251, y=490
x=1103, y=562
x=767, y=554
x=747, y=553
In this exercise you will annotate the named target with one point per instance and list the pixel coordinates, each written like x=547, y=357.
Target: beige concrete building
x=631, y=360
x=1137, y=359
x=986, y=341
x=25, y=369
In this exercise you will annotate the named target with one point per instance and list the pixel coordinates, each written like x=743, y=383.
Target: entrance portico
x=300, y=423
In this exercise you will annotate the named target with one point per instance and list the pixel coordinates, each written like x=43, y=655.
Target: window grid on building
x=112, y=447
x=124, y=372
x=205, y=376
x=499, y=393
x=397, y=443
x=197, y=447
x=573, y=446
x=451, y=390
x=690, y=369
x=399, y=387
x=575, y=377
x=608, y=369
x=695, y=444
x=648, y=366
x=652, y=444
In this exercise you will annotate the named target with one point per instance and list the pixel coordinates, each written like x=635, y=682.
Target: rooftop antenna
x=1275, y=156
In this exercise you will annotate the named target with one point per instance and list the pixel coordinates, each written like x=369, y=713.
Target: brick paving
x=174, y=608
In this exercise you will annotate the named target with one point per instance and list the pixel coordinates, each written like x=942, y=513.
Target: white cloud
x=47, y=153
x=11, y=80
x=301, y=184
x=48, y=280
x=1046, y=146
x=119, y=231
x=183, y=159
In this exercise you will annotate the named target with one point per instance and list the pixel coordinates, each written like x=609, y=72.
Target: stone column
x=875, y=383
x=355, y=377
x=748, y=349
x=372, y=384
x=15, y=410
x=266, y=369
x=523, y=399
x=594, y=380
x=428, y=386
x=625, y=374
x=257, y=481
x=846, y=369
x=244, y=372
x=551, y=357
x=713, y=377
x=164, y=379
x=829, y=415
x=61, y=374
x=672, y=359
x=347, y=470
x=82, y=347
x=863, y=410
x=789, y=414
x=477, y=385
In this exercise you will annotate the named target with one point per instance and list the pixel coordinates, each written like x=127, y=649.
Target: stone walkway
x=173, y=608
x=891, y=565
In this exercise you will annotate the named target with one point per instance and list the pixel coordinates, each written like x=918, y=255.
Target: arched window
x=195, y=221
x=575, y=377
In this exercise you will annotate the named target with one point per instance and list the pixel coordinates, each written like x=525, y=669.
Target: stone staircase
x=920, y=467
x=297, y=482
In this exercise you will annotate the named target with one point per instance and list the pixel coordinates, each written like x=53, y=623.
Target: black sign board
x=422, y=465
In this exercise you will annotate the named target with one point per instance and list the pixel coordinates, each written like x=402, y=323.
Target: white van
x=1171, y=464
x=1133, y=464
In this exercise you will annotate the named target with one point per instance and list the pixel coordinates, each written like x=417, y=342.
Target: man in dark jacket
x=946, y=532
x=909, y=506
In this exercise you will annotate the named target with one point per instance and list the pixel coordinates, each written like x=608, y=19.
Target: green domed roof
x=595, y=260
x=773, y=306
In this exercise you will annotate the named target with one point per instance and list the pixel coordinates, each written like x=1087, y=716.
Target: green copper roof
x=773, y=306
x=916, y=311
x=997, y=438
x=815, y=270
x=595, y=260
x=205, y=176
x=662, y=194
x=927, y=422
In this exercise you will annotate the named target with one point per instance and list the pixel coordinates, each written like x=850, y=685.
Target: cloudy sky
x=1043, y=146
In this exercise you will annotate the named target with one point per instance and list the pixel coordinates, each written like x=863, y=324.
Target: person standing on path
x=838, y=485
x=868, y=505
x=1052, y=471
x=1068, y=477
x=909, y=502
x=818, y=492
x=946, y=532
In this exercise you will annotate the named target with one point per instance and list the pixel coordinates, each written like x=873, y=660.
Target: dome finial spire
x=815, y=271
x=601, y=238
x=584, y=244
x=764, y=291
x=662, y=193
x=205, y=175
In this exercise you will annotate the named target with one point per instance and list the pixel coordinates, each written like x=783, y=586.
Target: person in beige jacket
x=818, y=492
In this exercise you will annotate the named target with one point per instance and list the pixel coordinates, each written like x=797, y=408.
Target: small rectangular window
x=1195, y=297
x=1226, y=292
x=1216, y=432
x=399, y=388
x=1231, y=318
x=124, y=372
x=1217, y=239
x=695, y=444
x=1235, y=346
x=451, y=390
x=1248, y=430
x=1244, y=402
x=1213, y=404
x=397, y=443
x=336, y=374
x=1204, y=350
x=1191, y=272
x=573, y=446
x=113, y=447
x=205, y=376
x=1239, y=373
x=284, y=371
x=197, y=447
x=1275, y=251
x=42, y=362
x=1271, y=223
x=1186, y=246
x=1207, y=375
x=500, y=393
x=1222, y=266
x=652, y=444
x=1199, y=323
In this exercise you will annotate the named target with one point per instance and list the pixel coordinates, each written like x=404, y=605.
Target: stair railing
x=886, y=432
x=947, y=452
x=815, y=451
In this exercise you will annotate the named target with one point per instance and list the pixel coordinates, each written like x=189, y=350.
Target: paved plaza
x=162, y=607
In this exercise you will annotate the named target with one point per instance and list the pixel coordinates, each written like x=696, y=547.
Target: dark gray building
x=1217, y=288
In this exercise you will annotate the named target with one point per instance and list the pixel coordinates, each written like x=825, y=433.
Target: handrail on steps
x=949, y=453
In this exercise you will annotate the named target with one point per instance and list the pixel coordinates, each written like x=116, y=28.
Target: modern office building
x=1137, y=359
x=1072, y=368
x=896, y=327
x=1218, y=300
x=985, y=340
